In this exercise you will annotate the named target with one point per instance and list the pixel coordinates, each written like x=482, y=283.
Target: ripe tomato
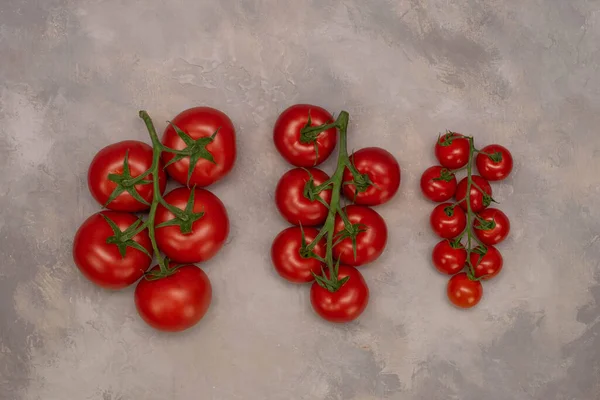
x=488, y=265
x=176, y=302
x=478, y=200
x=448, y=222
x=494, y=162
x=102, y=262
x=452, y=150
x=377, y=167
x=495, y=230
x=108, y=168
x=347, y=303
x=304, y=151
x=370, y=232
x=292, y=197
x=438, y=184
x=209, y=137
x=464, y=292
x=208, y=233
x=448, y=257
x=290, y=258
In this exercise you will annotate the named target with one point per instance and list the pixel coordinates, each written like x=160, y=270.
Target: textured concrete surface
x=74, y=73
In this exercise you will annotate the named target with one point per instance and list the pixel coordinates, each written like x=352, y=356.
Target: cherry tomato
x=108, y=167
x=478, y=200
x=488, y=265
x=102, y=262
x=452, y=150
x=448, y=222
x=290, y=258
x=494, y=162
x=208, y=233
x=438, y=184
x=371, y=238
x=449, y=258
x=464, y=292
x=299, y=151
x=211, y=160
x=347, y=303
x=176, y=302
x=495, y=229
x=381, y=172
x=293, y=200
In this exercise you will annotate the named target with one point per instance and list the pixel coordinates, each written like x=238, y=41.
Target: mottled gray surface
x=74, y=73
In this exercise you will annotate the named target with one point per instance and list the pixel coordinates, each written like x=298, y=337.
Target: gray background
x=73, y=75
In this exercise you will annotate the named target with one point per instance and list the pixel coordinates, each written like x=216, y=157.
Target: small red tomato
x=347, y=303
x=488, y=265
x=293, y=196
x=447, y=221
x=495, y=228
x=494, y=162
x=438, y=184
x=291, y=258
x=379, y=178
x=479, y=201
x=464, y=292
x=448, y=257
x=452, y=150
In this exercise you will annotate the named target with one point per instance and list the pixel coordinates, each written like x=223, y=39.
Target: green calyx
x=351, y=232
x=124, y=239
x=445, y=175
x=311, y=191
x=447, y=138
x=333, y=283
x=183, y=218
x=126, y=183
x=484, y=225
x=309, y=134
x=170, y=269
x=495, y=157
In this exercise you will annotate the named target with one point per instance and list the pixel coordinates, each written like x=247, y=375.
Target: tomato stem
x=470, y=213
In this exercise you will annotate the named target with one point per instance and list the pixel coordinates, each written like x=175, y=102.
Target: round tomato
x=195, y=236
x=449, y=257
x=379, y=180
x=448, y=222
x=290, y=257
x=207, y=137
x=176, y=302
x=293, y=197
x=438, y=184
x=301, y=150
x=479, y=201
x=111, y=256
x=487, y=265
x=452, y=150
x=464, y=292
x=495, y=228
x=368, y=230
x=112, y=170
x=494, y=162
x=345, y=304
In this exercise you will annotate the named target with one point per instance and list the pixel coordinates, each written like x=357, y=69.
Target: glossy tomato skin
x=101, y=262
x=447, y=258
x=452, y=150
x=477, y=198
x=208, y=235
x=494, y=170
x=436, y=189
x=464, y=292
x=490, y=264
x=110, y=160
x=382, y=169
x=291, y=202
x=496, y=234
x=369, y=244
x=286, y=257
x=174, y=303
x=200, y=122
x=347, y=303
x=448, y=222
x=286, y=135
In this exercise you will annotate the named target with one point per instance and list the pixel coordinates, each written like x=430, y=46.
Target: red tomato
x=449, y=258
x=370, y=242
x=381, y=170
x=478, y=200
x=495, y=230
x=109, y=163
x=292, y=199
x=347, y=303
x=489, y=265
x=438, y=184
x=288, y=258
x=448, y=222
x=102, y=262
x=299, y=151
x=176, y=302
x=464, y=292
x=494, y=162
x=208, y=234
x=452, y=150
x=210, y=160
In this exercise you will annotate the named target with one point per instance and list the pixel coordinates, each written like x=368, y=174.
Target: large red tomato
x=452, y=150
x=290, y=257
x=438, y=184
x=487, y=265
x=463, y=291
x=449, y=257
x=448, y=222
x=495, y=227
x=479, y=201
x=494, y=162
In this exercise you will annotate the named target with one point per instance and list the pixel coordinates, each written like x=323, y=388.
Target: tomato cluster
x=469, y=216
x=329, y=240
x=114, y=248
